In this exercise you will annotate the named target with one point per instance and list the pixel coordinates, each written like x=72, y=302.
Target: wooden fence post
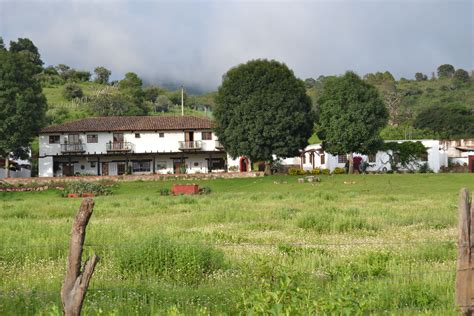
x=465, y=262
x=76, y=281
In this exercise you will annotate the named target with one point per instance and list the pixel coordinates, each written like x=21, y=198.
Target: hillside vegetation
x=441, y=107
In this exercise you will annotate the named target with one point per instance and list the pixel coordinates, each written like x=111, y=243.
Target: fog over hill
x=195, y=42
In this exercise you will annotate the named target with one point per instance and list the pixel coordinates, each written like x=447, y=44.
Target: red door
x=471, y=163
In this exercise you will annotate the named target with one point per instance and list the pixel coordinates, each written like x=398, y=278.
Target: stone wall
x=146, y=177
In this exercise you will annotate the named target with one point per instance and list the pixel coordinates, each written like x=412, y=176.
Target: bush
x=170, y=260
x=316, y=171
x=325, y=171
x=425, y=168
x=80, y=187
x=205, y=190
x=164, y=191
x=72, y=91
x=338, y=170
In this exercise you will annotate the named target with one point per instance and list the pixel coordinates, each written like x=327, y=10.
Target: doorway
x=189, y=136
x=120, y=168
x=68, y=170
x=105, y=168
x=244, y=164
x=471, y=163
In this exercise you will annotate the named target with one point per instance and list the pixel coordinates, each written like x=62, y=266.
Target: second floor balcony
x=119, y=146
x=219, y=146
x=191, y=145
x=73, y=148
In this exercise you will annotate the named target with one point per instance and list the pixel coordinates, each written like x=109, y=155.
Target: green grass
x=385, y=244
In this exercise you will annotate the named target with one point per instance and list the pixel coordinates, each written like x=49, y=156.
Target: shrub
x=205, y=190
x=425, y=168
x=80, y=187
x=170, y=260
x=164, y=191
x=325, y=171
x=338, y=170
x=297, y=171
x=316, y=171
x=72, y=91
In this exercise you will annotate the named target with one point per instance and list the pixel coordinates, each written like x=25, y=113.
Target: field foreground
x=378, y=244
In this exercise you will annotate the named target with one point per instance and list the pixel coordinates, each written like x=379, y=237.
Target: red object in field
x=72, y=195
x=185, y=189
x=87, y=194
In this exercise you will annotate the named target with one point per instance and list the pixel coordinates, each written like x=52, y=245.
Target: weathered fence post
x=465, y=263
x=76, y=281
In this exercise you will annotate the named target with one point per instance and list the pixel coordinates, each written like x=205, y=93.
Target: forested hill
x=439, y=107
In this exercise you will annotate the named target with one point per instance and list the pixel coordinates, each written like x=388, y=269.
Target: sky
x=193, y=43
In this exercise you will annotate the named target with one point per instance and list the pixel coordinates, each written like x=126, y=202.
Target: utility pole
x=182, y=101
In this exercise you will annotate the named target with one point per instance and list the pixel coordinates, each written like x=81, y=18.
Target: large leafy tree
x=445, y=71
x=449, y=121
x=262, y=110
x=352, y=114
x=22, y=103
x=102, y=75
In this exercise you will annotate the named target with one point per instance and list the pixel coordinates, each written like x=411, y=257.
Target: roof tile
x=131, y=123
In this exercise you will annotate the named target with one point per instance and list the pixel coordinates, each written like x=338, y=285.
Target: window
x=92, y=163
x=73, y=139
x=206, y=135
x=160, y=165
x=137, y=135
x=341, y=158
x=217, y=164
x=141, y=166
x=371, y=158
x=54, y=139
x=162, y=135
x=323, y=159
x=424, y=157
x=118, y=137
x=303, y=158
x=92, y=138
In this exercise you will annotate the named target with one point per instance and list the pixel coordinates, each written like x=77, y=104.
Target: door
x=120, y=168
x=105, y=168
x=471, y=163
x=189, y=136
x=244, y=163
x=68, y=170
x=179, y=166
x=73, y=139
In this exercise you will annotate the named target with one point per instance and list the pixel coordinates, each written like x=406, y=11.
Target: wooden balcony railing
x=192, y=145
x=73, y=148
x=119, y=146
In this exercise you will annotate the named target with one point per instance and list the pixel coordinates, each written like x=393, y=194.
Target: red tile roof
x=131, y=123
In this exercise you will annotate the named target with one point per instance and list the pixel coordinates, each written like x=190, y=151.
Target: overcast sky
x=195, y=42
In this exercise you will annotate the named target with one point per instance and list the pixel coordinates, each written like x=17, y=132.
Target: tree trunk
x=351, y=163
x=268, y=170
x=7, y=166
x=76, y=281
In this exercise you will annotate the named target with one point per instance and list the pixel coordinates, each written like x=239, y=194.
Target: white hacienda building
x=133, y=145
x=315, y=157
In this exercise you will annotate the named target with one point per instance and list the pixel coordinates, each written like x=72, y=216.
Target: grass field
x=385, y=244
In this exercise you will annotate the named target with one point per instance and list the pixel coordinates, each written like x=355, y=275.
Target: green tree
x=420, y=77
x=111, y=104
x=26, y=46
x=262, y=110
x=461, y=76
x=449, y=121
x=22, y=103
x=2, y=45
x=162, y=104
x=152, y=93
x=82, y=75
x=72, y=91
x=445, y=71
x=352, y=114
x=102, y=75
